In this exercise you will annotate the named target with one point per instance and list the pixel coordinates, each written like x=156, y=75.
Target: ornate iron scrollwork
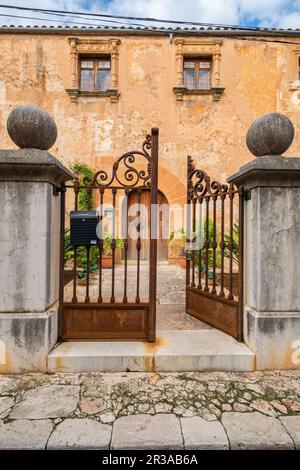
x=124, y=171
x=200, y=184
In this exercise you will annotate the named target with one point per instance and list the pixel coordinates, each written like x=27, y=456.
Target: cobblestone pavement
x=217, y=410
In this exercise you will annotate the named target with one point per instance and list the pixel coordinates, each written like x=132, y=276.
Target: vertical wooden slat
x=153, y=240
x=76, y=193
x=230, y=245
x=207, y=200
x=125, y=300
x=113, y=248
x=100, y=246
x=61, y=260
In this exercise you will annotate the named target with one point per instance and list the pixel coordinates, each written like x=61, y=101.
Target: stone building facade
x=106, y=88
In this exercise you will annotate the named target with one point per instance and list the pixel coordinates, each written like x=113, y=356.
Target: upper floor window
x=197, y=74
x=95, y=74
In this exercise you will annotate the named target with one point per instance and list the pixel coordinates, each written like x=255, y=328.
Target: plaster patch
x=54, y=82
x=103, y=132
x=137, y=71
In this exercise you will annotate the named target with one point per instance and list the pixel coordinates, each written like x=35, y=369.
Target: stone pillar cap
x=32, y=165
x=269, y=170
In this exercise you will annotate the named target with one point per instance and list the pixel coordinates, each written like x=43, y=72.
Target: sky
x=268, y=13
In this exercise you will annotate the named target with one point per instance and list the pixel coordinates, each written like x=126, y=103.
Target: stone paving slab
x=25, y=434
x=161, y=431
x=199, y=434
x=292, y=425
x=80, y=434
x=255, y=431
x=53, y=401
x=6, y=403
x=254, y=409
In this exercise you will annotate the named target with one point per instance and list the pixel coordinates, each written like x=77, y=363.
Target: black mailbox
x=83, y=226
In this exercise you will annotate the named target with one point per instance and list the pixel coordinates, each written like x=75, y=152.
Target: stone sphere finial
x=270, y=134
x=31, y=127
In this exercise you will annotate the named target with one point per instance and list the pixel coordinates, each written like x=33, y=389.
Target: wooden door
x=162, y=242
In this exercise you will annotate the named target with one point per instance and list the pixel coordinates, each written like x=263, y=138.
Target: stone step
x=173, y=351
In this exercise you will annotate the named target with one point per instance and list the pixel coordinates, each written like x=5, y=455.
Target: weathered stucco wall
x=36, y=68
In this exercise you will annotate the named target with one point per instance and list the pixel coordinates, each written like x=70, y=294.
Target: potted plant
x=82, y=277
x=82, y=274
x=107, y=250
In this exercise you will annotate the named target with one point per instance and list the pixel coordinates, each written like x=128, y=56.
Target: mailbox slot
x=83, y=225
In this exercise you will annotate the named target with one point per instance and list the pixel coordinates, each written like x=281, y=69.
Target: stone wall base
x=274, y=337
x=26, y=339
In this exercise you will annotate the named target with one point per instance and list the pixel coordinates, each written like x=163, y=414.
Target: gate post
x=30, y=179
x=271, y=244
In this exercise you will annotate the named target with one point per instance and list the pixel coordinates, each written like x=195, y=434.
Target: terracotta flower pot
x=81, y=282
x=106, y=262
x=182, y=261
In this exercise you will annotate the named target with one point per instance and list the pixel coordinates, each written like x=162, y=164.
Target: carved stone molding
x=295, y=70
x=86, y=46
x=204, y=48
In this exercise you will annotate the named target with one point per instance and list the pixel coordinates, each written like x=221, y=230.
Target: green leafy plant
x=107, y=241
x=210, y=239
x=82, y=170
x=83, y=273
x=81, y=256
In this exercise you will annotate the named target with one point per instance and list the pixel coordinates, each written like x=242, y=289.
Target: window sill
x=180, y=91
x=75, y=93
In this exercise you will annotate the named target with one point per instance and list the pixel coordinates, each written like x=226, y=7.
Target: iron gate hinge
x=247, y=195
x=58, y=189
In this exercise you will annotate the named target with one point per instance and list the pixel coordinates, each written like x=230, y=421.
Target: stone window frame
x=295, y=70
x=189, y=48
x=81, y=47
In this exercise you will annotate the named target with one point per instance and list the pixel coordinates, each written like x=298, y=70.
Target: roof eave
x=146, y=32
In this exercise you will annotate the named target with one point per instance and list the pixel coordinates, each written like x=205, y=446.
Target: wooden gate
x=110, y=304
x=214, y=252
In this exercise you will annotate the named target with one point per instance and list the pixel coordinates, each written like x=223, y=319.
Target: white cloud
x=291, y=20
x=276, y=13
x=218, y=11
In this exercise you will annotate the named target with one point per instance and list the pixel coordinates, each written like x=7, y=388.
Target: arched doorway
x=162, y=242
